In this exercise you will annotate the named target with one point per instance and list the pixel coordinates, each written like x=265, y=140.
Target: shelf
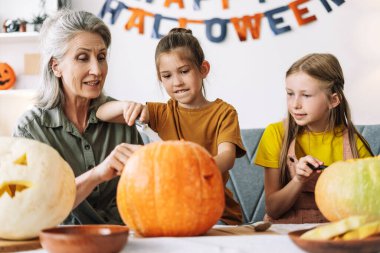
x=20, y=37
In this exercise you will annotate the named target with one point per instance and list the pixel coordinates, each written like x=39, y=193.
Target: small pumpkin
x=7, y=76
x=349, y=188
x=37, y=188
x=171, y=188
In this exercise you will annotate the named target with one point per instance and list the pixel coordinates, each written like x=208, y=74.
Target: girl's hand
x=303, y=172
x=133, y=111
x=114, y=164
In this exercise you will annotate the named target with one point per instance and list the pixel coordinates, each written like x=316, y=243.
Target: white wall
x=12, y=49
x=250, y=74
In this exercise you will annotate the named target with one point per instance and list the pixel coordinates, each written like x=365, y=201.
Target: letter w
x=251, y=22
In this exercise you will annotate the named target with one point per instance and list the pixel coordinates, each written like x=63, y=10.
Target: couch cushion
x=372, y=134
x=247, y=179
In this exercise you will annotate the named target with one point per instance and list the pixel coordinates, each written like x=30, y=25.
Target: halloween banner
x=244, y=26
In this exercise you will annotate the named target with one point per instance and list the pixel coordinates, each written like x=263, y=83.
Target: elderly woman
x=75, y=50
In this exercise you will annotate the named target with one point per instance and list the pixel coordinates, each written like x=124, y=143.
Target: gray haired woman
x=75, y=49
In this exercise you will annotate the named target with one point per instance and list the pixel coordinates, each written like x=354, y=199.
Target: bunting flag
x=243, y=26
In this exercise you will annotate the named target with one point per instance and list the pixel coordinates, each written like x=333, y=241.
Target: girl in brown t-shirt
x=181, y=68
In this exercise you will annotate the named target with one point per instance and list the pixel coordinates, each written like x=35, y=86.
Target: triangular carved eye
x=22, y=160
x=13, y=187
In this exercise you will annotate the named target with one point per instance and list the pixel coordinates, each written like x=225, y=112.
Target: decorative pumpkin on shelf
x=7, y=76
x=37, y=188
x=348, y=188
x=171, y=188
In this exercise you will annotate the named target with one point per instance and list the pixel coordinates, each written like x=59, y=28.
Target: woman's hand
x=111, y=167
x=114, y=164
x=133, y=111
x=303, y=171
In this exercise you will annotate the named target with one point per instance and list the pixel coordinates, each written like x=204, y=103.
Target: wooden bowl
x=367, y=245
x=84, y=238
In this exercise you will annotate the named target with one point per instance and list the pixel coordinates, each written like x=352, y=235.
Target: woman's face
x=83, y=69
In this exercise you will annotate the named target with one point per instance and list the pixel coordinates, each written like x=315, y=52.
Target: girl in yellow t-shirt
x=181, y=68
x=317, y=132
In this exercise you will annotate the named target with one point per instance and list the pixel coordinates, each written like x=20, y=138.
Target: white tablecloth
x=274, y=240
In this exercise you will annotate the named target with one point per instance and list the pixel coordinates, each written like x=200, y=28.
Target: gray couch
x=247, y=179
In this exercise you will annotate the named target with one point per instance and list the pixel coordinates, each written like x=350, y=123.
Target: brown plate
x=84, y=238
x=368, y=245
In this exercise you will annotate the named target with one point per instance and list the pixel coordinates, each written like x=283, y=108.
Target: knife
x=145, y=129
x=320, y=167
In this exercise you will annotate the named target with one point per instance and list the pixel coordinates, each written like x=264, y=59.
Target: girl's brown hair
x=325, y=68
x=180, y=38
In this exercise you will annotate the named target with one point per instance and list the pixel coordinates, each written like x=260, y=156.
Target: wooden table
x=226, y=239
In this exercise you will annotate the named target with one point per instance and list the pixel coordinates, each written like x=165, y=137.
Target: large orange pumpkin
x=349, y=188
x=171, y=188
x=7, y=76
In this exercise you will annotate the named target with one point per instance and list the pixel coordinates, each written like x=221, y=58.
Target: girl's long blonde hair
x=325, y=68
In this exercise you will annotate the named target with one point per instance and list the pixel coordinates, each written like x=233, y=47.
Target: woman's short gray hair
x=56, y=33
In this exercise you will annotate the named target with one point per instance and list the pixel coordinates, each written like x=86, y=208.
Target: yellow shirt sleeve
x=362, y=150
x=269, y=149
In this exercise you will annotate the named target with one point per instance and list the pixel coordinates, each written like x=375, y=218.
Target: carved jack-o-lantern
x=37, y=188
x=7, y=76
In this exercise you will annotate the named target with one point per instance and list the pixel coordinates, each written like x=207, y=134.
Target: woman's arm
x=111, y=167
x=122, y=112
x=225, y=158
x=279, y=200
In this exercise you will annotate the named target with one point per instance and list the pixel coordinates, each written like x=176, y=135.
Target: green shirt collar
x=56, y=118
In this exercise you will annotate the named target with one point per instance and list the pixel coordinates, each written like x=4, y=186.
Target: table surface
x=226, y=239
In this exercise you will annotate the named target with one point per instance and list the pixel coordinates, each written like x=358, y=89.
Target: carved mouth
x=4, y=82
x=12, y=187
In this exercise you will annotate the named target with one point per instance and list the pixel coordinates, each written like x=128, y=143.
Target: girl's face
x=308, y=101
x=181, y=79
x=83, y=68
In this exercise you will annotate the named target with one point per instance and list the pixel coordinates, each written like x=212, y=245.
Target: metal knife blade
x=145, y=129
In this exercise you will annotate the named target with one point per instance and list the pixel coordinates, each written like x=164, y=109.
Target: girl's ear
x=205, y=68
x=55, y=68
x=334, y=100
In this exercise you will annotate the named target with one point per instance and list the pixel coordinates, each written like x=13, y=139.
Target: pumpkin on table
x=348, y=188
x=171, y=188
x=7, y=76
x=37, y=188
